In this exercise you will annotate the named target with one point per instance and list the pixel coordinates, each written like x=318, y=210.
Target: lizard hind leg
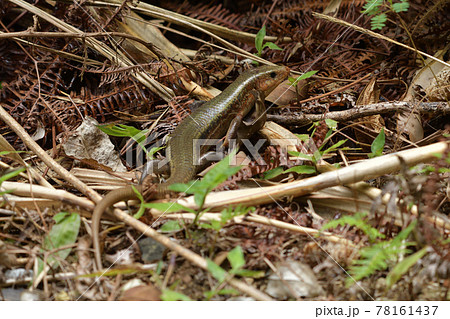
x=150, y=188
x=155, y=166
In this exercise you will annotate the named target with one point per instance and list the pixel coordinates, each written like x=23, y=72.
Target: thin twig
x=345, y=87
x=83, y=35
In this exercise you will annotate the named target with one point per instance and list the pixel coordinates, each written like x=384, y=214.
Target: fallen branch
x=362, y=111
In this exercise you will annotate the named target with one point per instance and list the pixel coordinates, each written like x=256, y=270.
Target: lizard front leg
x=257, y=121
x=256, y=98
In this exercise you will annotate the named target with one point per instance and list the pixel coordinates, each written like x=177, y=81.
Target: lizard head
x=269, y=77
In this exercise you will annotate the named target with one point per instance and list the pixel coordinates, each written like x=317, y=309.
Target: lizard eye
x=273, y=75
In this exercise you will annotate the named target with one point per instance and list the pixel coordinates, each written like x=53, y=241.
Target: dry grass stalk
x=364, y=170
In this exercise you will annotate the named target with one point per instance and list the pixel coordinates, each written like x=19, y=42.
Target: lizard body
x=220, y=116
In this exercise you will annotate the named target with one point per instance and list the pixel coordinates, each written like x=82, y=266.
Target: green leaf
x=273, y=173
x=159, y=268
x=404, y=233
x=302, y=169
x=63, y=233
x=170, y=207
x=216, y=271
x=199, y=197
x=58, y=218
x=184, y=188
x=229, y=213
x=302, y=77
x=272, y=46
x=236, y=258
x=425, y=169
x=216, y=175
x=402, y=267
x=7, y=176
x=11, y=174
x=220, y=172
x=317, y=155
x=376, y=257
x=259, y=39
x=334, y=147
x=226, y=215
x=227, y=292
x=121, y=130
x=303, y=137
x=378, y=144
x=141, y=209
x=372, y=7
x=108, y=273
x=372, y=259
x=400, y=6
x=170, y=295
x=214, y=224
x=249, y=273
x=326, y=138
x=301, y=155
x=170, y=226
x=209, y=294
x=4, y=153
x=332, y=124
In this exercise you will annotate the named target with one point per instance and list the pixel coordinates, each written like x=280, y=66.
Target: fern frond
x=378, y=21
x=356, y=220
x=378, y=256
x=372, y=7
x=402, y=6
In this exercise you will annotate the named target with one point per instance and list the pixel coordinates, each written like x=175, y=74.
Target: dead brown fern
x=430, y=13
x=216, y=14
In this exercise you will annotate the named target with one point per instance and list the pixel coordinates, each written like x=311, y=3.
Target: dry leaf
x=142, y=293
x=89, y=143
x=439, y=89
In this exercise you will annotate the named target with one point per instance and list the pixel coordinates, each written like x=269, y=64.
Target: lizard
x=222, y=115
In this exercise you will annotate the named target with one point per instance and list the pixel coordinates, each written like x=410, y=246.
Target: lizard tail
x=113, y=197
